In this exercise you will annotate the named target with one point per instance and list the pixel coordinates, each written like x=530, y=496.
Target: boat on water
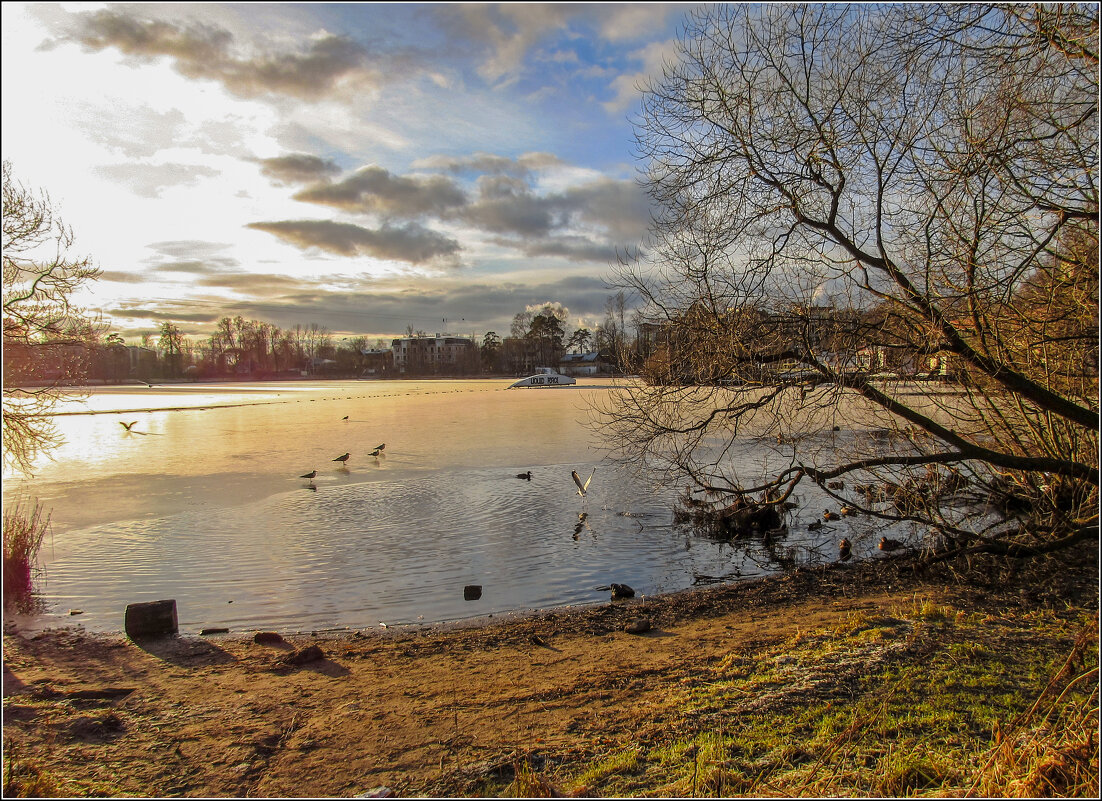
x=546, y=377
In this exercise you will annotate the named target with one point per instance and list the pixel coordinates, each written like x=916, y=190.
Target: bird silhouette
x=311, y=474
x=127, y=426
x=342, y=459
x=814, y=524
x=380, y=447
x=577, y=480
x=525, y=476
x=376, y=453
x=345, y=417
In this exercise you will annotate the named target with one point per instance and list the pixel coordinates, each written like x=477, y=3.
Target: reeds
x=25, y=528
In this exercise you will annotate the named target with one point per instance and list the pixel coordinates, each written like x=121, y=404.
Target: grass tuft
x=24, y=531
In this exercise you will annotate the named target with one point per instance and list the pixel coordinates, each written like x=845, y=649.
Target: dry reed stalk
x=24, y=531
x=1057, y=756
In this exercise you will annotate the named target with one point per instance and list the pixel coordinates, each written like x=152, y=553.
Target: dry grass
x=1050, y=751
x=24, y=530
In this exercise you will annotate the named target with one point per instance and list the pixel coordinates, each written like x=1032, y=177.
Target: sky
x=364, y=167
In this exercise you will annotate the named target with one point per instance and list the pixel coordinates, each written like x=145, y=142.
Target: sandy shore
x=424, y=712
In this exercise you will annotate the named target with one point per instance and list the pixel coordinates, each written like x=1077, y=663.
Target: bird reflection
x=582, y=523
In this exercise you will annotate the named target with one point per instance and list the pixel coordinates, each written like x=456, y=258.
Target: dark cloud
x=410, y=243
x=298, y=168
x=490, y=164
x=202, y=50
x=376, y=190
x=192, y=248
x=149, y=180
x=378, y=308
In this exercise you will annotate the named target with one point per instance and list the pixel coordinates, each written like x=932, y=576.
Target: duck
x=847, y=510
x=525, y=476
x=814, y=524
x=621, y=591
x=845, y=548
x=829, y=515
x=887, y=544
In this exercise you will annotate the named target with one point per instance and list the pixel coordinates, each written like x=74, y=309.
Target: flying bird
x=311, y=474
x=342, y=459
x=127, y=425
x=577, y=480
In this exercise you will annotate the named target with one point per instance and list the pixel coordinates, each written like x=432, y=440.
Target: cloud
x=149, y=180
x=626, y=87
x=491, y=164
x=298, y=168
x=410, y=243
x=206, y=51
x=375, y=190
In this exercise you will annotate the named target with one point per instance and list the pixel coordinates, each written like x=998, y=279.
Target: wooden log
x=151, y=619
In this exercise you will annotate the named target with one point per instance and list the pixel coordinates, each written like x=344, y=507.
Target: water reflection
x=238, y=509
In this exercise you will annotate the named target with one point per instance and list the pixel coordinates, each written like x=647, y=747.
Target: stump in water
x=151, y=619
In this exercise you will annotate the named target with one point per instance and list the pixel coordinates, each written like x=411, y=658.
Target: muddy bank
x=433, y=711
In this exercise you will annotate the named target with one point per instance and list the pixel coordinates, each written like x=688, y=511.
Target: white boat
x=546, y=377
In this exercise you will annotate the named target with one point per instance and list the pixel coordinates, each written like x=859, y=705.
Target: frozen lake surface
x=201, y=501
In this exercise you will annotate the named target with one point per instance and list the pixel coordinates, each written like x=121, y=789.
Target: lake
x=201, y=501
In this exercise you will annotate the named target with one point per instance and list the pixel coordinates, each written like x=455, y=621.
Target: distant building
x=581, y=364
x=376, y=362
x=435, y=354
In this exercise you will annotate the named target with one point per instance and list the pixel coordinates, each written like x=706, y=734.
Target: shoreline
x=468, y=708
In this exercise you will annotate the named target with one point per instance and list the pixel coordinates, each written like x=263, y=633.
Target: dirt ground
x=421, y=712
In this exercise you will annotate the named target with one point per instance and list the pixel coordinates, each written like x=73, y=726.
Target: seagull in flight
x=127, y=426
x=342, y=459
x=577, y=480
x=311, y=474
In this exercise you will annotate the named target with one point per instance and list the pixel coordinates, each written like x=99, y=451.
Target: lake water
x=201, y=501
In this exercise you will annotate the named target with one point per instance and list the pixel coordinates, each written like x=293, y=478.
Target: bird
x=889, y=544
x=829, y=515
x=380, y=447
x=577, y=480
x=127, y=426
x=345, y=417
x=311, y=474
x=621, y=591
x=376, y=453
x=814, y=524
x=343, y=459
x=844, y=549
x=525, y=476
x=847, y=510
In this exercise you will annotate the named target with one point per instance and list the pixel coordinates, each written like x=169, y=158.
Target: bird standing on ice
x=577, y=480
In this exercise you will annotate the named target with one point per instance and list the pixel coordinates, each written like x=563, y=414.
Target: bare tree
x=46, y=337
x=848, y=198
